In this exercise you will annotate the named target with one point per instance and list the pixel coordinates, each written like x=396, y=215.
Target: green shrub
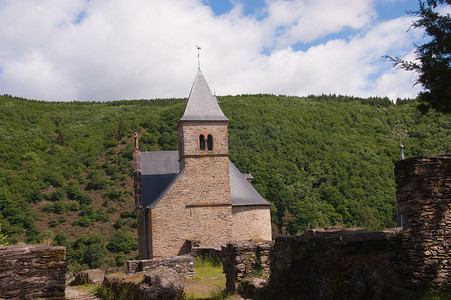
x=59, y=207
x=115, y=195
x=56, y=222
x=46, y=237
x=33, y=234
x=111, y=210
x=54, y=178
x=120, y=259
x=60, y=239
x=128, y=214
x=87, y=249
x=83, y=221
x=73, y=191
x=97, y=183
x=102, y=216
x=134, y=223
x=119, y=224
x=74, y=206
x=122, y=242
x=85, y=199
x=57, y=195
x=3, y=237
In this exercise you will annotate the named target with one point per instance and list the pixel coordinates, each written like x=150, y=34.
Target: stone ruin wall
x=32, y=272
x=322, y=264
x=337, y=265
x=424, y=202
x=243, y=259
x=183, y=265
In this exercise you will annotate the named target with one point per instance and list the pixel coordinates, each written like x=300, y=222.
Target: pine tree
x=433, y=64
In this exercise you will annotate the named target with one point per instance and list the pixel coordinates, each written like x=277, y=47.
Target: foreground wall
x=337, y=265
x=375, y=265
x=243, y=259
x=424, y=202
x=183, y=265
x=32, y=271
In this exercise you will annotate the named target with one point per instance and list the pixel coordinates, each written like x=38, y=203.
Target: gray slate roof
x=242, y=192
x=202, y=104
x=160, y=169
x=159, y=162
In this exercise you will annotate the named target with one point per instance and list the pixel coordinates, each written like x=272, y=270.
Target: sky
x=64, y=50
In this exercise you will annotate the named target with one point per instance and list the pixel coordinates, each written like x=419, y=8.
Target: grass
x=208, y=283
x=87, y=288
x=443, y=293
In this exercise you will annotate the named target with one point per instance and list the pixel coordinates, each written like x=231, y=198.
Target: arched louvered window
x=210, y=142
x=202, y=142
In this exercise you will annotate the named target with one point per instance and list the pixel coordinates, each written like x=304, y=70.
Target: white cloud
x=118, y=49
x=307, y=20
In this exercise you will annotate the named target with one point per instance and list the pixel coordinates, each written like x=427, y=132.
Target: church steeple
x=202, y=104
x=203, y=127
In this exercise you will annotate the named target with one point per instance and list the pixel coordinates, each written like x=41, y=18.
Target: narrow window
x=202, y=142
x=210, y=142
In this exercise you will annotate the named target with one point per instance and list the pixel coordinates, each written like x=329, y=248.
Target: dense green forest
x=66, y=167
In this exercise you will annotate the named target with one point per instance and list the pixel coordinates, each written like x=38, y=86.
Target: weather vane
x=400, y=131
x=198, y=56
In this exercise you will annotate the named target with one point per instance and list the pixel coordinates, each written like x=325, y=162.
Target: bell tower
x=202, y=130
x=203, y=146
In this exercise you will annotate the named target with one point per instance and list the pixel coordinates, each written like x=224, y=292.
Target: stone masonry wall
x=251, y=222
x=183, y=265
x=337, y=265
x=243, y=259
x=32, y=272
x=189, y=133
x=424, y=202
x=138, y=194
x=376, y=265
x=196, y=207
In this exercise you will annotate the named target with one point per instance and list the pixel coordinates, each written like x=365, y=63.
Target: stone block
x=32, y=272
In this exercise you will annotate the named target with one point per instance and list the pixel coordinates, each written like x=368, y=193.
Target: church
x=196, y=194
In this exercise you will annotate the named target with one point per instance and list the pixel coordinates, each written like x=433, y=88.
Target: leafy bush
x=128, y=214
x=74, y=206
x=83, y=221
x=122, y=242
x=59, y=207
x=60, y=239
x=97, y=183
x=102, y=216
x=73, y=190
x=119, y=224
x=115, y=195
x=57, y=195
x=54, y=178
x=87, y=249
x=56, y=222
x=120, y=259
x=3, y=237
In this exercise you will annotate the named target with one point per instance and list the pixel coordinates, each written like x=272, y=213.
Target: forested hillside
x=66, y=168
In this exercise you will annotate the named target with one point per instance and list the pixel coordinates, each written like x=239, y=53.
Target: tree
x=3, y=237
x=434, y=58
x=122, y=242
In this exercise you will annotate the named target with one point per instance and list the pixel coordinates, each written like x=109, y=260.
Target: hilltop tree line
x=66, y=168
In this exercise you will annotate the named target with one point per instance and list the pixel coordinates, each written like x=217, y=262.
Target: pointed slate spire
x=202, y=105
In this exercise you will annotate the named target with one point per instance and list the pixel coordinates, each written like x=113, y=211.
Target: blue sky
x=140, y=49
